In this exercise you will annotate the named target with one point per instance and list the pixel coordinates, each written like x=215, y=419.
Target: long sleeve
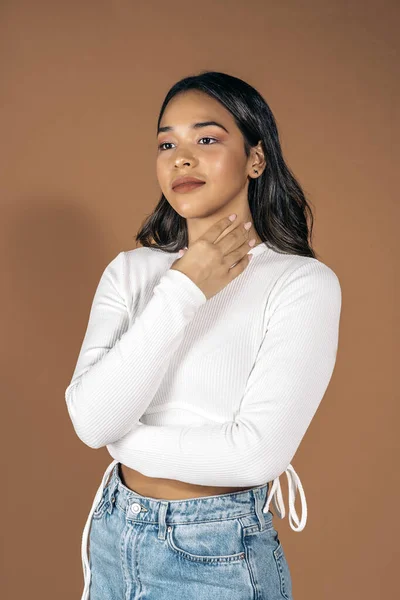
x=291, y=373
x=121, y=365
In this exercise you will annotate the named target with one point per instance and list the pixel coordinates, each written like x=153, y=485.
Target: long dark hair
x=277, y=203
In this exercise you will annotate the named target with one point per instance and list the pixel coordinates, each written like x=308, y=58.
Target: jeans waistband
x=247, y=504
x=204, y=508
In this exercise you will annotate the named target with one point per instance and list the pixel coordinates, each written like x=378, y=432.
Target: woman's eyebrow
x=194, y=126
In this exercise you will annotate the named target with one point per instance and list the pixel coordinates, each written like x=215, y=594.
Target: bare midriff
x=169, y=489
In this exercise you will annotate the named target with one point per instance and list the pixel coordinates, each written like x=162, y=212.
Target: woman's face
x=211, y=153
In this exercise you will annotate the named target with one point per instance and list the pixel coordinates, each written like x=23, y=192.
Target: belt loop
x=258, y=497
x=112, y=487
x=161, y=520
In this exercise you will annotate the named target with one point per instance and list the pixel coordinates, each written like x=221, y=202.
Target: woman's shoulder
x=286, y=265
x=140, y=256
x=140, y=265
x=294, y=275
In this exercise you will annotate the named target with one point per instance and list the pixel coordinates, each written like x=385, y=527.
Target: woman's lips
x=187, y=187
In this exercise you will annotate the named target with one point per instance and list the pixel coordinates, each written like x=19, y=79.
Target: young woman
x=201, y=369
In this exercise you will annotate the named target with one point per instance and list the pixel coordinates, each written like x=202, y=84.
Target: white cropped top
x=216, y=392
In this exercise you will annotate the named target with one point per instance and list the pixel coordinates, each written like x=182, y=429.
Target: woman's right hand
x=212, y=263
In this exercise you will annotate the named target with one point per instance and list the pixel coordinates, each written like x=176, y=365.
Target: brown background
x=81, y=86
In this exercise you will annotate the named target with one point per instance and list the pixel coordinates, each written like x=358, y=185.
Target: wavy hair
x=277, y=202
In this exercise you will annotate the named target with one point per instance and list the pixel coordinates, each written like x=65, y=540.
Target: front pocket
x=284, y=573
x=215, y=542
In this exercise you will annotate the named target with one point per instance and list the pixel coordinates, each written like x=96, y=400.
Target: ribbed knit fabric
x=216, y=392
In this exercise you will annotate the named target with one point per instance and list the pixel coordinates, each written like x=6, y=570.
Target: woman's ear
x=257, y=160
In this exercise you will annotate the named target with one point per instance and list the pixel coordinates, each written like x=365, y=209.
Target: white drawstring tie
x=85, y=536
x=276, y=496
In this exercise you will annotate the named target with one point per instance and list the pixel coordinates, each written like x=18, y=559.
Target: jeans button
x=136, y=508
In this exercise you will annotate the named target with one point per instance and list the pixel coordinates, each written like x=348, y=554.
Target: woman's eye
x=208, y=138
x=160, y=147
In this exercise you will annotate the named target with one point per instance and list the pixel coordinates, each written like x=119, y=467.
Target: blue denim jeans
x=220, y=546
